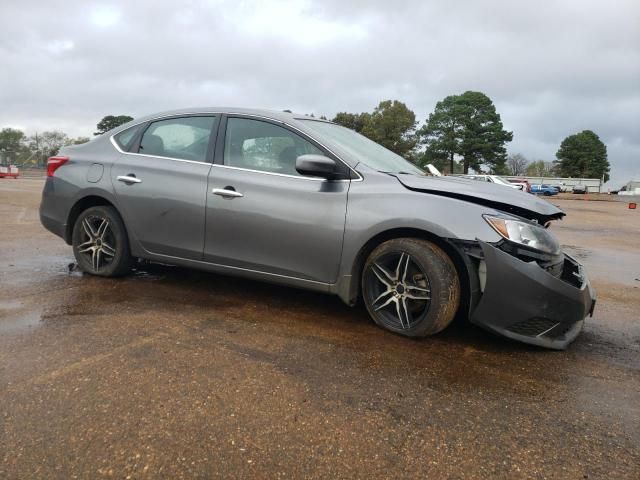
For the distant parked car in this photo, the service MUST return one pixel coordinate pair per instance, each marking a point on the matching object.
(9, 171)
(526, 186)
(580, 189)
(493, 179)
(546, 190)
(631, 188)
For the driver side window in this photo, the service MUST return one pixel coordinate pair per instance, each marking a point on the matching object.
(263, 146)
(183, 138)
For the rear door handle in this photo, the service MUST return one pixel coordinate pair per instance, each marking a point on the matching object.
(226, 192)
(129, 179)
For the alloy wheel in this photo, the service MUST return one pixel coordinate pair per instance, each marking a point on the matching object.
(398, 290)
(97, 242)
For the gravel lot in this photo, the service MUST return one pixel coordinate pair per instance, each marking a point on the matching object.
(181, 374)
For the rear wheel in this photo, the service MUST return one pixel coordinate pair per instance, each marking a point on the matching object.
(100, 242)
(410, 286)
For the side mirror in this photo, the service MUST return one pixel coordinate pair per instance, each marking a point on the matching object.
(316, 166)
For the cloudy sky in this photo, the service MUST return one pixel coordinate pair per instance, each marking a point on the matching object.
(553, 68)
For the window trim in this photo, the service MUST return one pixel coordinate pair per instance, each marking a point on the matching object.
(222, 136)
(147, 123)
(221, 116)
(133, 141)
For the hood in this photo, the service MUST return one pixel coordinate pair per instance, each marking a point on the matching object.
(500, 197)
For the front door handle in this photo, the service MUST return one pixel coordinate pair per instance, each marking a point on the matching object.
(226, 192)
(129, 178)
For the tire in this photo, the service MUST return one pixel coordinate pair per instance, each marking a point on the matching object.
(100, 242)
(410, 286)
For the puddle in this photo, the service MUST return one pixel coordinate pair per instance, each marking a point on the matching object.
(619, 266)
(146, 275)
(9, 305)
(11, 319)
(148, 270)
(25, 321)
(143, 271)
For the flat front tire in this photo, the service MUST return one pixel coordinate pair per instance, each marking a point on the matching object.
(410, 286)
(100, 242)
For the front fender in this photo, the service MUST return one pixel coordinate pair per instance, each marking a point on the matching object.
(396, 209)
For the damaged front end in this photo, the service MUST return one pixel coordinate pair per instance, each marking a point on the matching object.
(523, 286)
(529, 301)
(529, 294)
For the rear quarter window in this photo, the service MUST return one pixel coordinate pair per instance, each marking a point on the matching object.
(125, 139)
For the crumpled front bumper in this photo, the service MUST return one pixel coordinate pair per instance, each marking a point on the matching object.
(524, 302)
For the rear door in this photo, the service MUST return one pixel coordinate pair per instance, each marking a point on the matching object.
(161, 184)
(262, 215)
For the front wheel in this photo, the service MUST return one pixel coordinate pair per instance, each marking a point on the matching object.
(410, 286)
(100, 242)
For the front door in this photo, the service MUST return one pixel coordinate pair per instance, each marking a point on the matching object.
(262, 215)
(162, 185)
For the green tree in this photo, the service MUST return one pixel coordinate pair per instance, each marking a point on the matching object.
(583, 155)
(467, 126)
(485, 137)
(110, 122)
(393, 126)
(12, 143)
(79, 140)
(354, 121)
(443, 132)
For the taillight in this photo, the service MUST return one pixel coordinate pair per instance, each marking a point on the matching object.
(54, 163)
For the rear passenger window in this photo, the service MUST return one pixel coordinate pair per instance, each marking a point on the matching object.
(183, 138)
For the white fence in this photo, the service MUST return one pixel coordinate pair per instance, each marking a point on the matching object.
(594, 185)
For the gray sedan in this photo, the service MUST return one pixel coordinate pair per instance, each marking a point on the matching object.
(307, 203)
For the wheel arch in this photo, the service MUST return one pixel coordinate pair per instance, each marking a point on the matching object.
(88, 201)
(351, 295)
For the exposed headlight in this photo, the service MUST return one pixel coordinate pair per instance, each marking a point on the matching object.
(524, 233)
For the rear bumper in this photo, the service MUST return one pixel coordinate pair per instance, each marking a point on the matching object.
(524, 302)
(53, 225)
(53, 209)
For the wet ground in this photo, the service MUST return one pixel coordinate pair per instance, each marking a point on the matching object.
(180, 374)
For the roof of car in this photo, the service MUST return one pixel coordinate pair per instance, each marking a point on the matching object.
(283, 116)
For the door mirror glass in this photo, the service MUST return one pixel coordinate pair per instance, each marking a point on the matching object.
(316, 166)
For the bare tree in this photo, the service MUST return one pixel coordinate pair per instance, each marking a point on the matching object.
(517, 164)
(540, 168)
(47, 144)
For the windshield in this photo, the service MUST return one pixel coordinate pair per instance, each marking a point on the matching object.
(364, 150)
